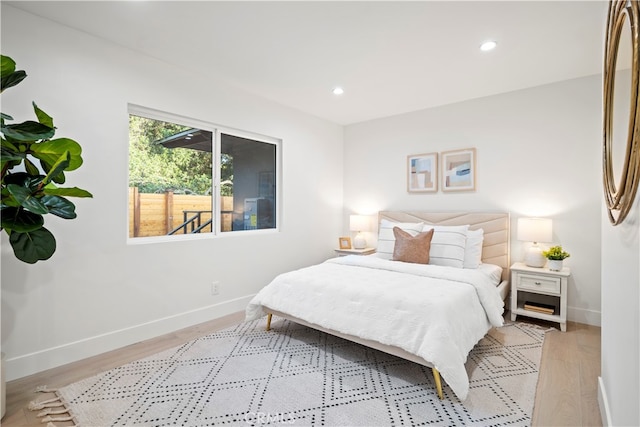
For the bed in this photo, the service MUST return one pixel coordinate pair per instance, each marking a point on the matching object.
(431, 314)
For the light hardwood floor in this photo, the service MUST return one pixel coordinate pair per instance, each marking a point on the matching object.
(566, 394)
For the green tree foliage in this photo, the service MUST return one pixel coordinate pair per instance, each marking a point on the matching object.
(154, 168)
(226, 175)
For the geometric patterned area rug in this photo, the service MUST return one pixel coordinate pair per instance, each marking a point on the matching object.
(294, 375)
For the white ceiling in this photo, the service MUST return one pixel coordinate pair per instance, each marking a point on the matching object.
(390, 57)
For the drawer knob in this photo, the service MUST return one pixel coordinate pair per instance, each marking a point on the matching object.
(538, 283)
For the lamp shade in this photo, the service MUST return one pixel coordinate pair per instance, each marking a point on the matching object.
(359, 223)
(535, 229)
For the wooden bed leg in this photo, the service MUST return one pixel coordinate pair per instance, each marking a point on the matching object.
(436, 377)
(269, 316)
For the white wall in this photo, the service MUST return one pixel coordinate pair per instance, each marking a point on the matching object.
(538, 154)
(98, 293)
(620, 371)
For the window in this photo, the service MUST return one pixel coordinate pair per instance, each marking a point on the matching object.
(188, 177)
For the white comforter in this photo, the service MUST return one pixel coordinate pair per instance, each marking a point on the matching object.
(438, 313)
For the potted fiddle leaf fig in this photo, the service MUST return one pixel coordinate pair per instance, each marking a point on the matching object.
(33, 168)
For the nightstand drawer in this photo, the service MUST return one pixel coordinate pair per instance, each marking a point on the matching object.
(539, 283)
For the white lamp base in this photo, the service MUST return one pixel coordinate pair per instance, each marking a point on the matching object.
(359, 242)
(534, 258)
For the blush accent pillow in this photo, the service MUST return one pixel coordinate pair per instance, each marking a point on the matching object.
(386, 239)
(410, 248)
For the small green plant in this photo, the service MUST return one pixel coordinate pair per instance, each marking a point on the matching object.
(555, 253)
(32, 164)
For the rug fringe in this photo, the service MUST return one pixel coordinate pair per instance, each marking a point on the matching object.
(50, 411)
(51, 403)
(59, 419)
(51, 407)
(45, 389)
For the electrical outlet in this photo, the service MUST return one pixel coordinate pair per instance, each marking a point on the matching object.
(215, 288)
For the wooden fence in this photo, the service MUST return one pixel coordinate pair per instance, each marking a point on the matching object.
(152, 214)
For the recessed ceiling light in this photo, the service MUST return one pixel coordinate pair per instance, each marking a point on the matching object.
(338, 90)
(488, 45)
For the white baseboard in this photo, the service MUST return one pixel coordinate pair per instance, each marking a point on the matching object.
(28, 364)
(603, 403)
(584, 316)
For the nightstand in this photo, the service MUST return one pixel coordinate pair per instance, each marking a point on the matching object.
(365, 251)
(539, 293)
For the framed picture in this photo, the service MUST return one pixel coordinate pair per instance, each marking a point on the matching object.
(345, 242)
(422, 173)
(459, 170)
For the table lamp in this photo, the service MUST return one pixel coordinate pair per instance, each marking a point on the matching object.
(535, 230)
(359, 223)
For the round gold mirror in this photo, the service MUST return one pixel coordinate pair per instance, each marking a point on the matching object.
(621, 115)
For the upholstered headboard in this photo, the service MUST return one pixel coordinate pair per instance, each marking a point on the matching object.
(496, 225)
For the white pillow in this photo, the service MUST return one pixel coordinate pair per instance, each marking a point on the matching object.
(447, 245)
(386, 239)
(473, 248)
(494, 272)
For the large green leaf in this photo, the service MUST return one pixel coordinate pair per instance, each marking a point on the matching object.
(50, 151)
(24, 179)
(27, 199)
(8, 145)
(8, 155)
(58, 179)
(43, 117)
(67, 192)
(12, 79)
(7, 65)
(28, 131)
(9, 200)
(20, 220)
(58, 168)
(21, 178)
(60, 206)
(33, 246)
(30, 167)
(9, 75)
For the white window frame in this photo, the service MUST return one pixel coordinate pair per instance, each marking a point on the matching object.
(217, 131)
